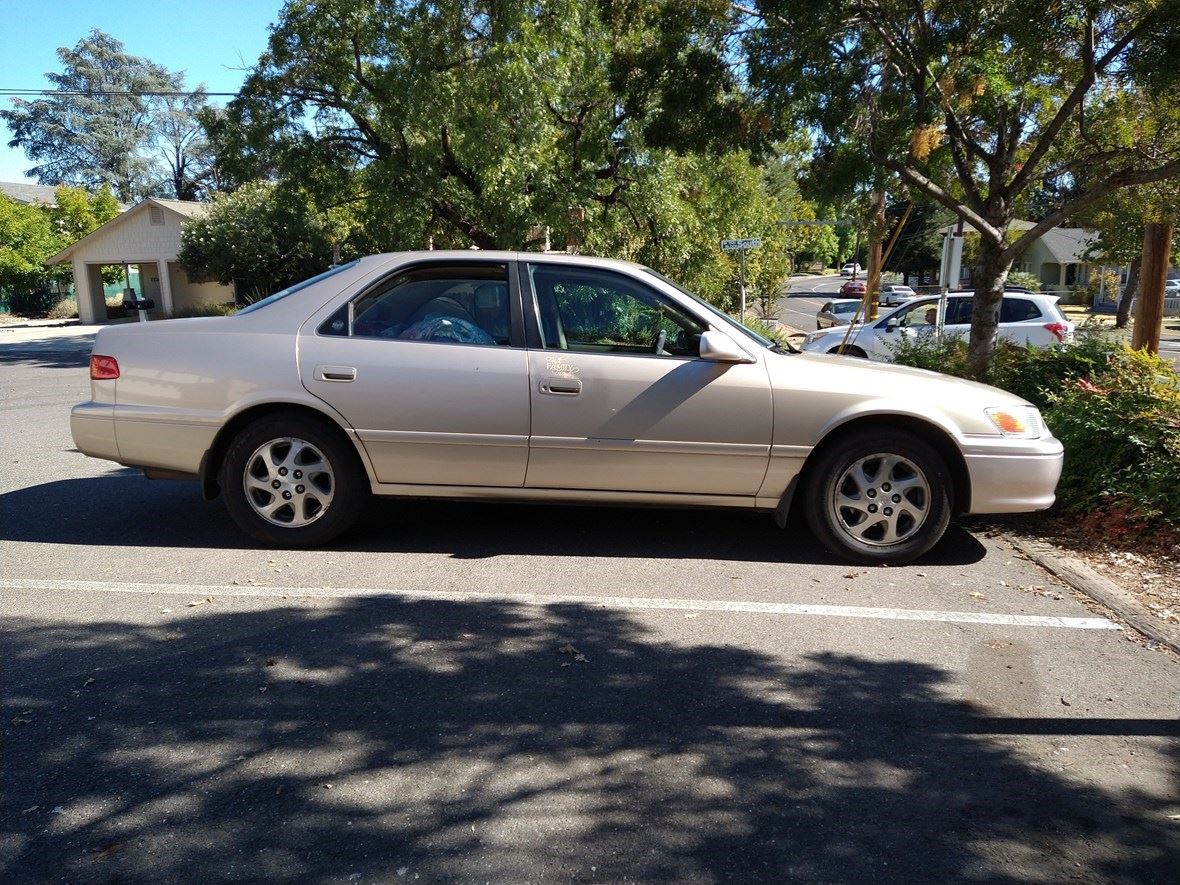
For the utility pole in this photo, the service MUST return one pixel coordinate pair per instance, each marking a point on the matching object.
(1149, 310)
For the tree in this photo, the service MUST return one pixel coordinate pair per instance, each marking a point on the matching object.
(261, 238)
(30, 234)
(492, 121)
(1119, 222)
(106, 122)
(458, 125)
(972, 104)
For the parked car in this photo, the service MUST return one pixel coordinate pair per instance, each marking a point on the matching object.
(853, 288)
(546, 377)
(1172, 288)
(895, 293)
(837, 313)
(1025, 318)
(851, 269)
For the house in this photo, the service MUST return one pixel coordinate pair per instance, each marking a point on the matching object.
(28, 193)
(1058, 259)
(147, 237)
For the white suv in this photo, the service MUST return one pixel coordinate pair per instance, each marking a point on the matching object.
(851, 269)
(1025, 318)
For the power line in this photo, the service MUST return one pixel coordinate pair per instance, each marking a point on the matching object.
(94, 92)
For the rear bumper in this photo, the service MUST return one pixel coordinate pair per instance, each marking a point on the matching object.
(93, 428)
(1013, 476)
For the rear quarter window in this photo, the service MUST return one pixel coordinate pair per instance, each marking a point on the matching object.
(1018, 310)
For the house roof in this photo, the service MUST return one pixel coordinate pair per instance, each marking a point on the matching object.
(184, 208)
(27, 192)
(1067, 245)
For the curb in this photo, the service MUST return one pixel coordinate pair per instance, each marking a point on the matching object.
(1101, 590)
(40, 324)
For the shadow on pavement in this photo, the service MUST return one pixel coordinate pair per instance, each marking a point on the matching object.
(49, 353)
(124, 509)
(380, 738)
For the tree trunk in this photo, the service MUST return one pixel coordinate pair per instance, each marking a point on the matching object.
(1124, 312)
(1149, 313)
(985, 311)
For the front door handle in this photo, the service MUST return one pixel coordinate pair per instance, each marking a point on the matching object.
(335, 373)
(561, 386)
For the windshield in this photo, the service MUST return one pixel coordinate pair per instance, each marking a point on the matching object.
(713, 311)
(291, 290)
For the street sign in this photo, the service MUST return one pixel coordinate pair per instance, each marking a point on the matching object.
(740, 245)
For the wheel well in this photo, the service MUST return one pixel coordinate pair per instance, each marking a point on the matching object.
(210, 469)
(930, 433)
(849, 350)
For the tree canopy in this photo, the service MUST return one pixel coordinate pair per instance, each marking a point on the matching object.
(979, 106)
(107, 123)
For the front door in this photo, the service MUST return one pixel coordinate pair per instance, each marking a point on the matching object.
(429, 367)
(622, 401)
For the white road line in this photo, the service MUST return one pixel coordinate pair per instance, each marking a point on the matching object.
(552, 599)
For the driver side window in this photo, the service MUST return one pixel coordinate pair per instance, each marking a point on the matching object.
(595, 311)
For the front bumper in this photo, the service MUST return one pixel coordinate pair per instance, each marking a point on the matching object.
(1012, 476)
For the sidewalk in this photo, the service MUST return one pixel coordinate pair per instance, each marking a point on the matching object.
(21, 323)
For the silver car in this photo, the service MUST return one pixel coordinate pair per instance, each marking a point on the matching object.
(839, 312)
(545, 377)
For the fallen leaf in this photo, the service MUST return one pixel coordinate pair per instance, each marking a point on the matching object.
(204, 601)
(30, 809)
(920, 574)
(57, 809)
(87, 682)
(108, 850)
(693, 615)
(975, 594)
(568, 649)
(18, 720)
(1066, 703)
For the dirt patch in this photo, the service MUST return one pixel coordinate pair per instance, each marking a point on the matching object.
(1144, 563)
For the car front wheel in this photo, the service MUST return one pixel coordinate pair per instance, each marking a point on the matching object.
(292, 481)
(879, 497)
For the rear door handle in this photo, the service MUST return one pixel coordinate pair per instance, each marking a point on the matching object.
(561, 386)
(335, 373)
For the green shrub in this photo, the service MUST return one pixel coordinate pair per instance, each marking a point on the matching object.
(1121, 432)
(206, 310)
(31, 303)
(1025, 280)
(1116, 411)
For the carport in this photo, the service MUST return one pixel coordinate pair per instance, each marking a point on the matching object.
(146, 236)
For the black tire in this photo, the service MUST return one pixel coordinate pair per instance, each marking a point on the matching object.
(344, 477)
(831, 523)
(850, 350)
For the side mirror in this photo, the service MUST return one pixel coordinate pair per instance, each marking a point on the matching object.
(891, 326)
(717, 347)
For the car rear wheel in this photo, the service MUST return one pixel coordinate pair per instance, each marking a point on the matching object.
(292, 481)
(879, 497)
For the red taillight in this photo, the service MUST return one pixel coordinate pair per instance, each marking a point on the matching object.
(103, 368)
(1059, 330)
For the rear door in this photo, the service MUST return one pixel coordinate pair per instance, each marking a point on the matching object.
(430, 369)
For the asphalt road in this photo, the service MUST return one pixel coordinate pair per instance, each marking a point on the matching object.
(500, 693)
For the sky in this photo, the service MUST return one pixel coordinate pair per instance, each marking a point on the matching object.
(212, 41)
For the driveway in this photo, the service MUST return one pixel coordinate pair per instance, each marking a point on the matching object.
(478, 692)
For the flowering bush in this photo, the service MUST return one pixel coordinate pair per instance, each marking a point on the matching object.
(1116, 411)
